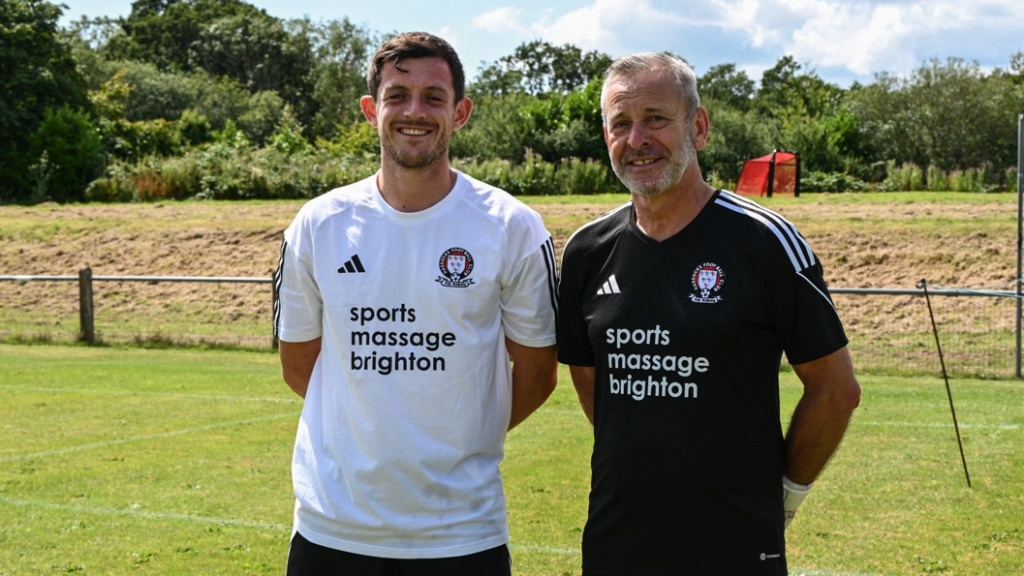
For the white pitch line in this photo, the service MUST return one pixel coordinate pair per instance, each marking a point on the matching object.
(544, 549)
(284, 399)
(856, 423)
(797, 572)
(172, 433)
(135, 511)
(853, 424)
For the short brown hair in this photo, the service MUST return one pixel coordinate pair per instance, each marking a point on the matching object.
(416, 45)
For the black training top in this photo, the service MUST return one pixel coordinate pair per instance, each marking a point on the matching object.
(686, 336)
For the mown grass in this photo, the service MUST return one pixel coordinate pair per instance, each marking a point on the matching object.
(132, 461)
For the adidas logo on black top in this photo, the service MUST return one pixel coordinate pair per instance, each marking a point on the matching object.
(352, 266)
(610, 286)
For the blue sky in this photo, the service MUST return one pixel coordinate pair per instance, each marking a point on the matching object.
(842, 40)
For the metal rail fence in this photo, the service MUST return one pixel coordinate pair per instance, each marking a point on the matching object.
(144, 310)
(889, 329)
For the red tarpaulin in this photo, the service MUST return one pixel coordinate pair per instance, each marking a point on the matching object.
(775, 173)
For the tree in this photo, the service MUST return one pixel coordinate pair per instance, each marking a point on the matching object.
(541, 68)
(224, 38)
(341, 52)
(786, 90)
(723, 83)
(69, 155)
(735, 137)
(163, 32)
(37, 74)
(944, 114)
(262, 55)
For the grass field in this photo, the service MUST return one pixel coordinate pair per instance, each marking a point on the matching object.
(131, 461)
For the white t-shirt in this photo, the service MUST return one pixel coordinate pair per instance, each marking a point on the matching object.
(404, 421)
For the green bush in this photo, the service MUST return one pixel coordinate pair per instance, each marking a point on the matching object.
(830, 182)
(1010, 177)
(226, 171)
(69, 155)
(536, 177)
(902, 178)
(936, 180)
(575, 176)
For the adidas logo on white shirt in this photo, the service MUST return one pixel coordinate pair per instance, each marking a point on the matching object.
(353, 265)
(610, 286)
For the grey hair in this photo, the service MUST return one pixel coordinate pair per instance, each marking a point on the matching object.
(658, 62)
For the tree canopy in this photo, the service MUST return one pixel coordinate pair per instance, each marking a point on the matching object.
(178, 78)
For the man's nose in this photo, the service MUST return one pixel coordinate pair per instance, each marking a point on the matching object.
(639, 136)
(416, 108)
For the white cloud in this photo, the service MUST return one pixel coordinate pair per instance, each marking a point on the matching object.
(500, 20)
(864, 37)
(858, 37)
(607, 26)
(850, 39)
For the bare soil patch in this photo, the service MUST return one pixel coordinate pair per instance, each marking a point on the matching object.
(963, 245)
(861, 245)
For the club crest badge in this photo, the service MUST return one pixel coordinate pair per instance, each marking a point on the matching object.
(456, 265)
(707, 280)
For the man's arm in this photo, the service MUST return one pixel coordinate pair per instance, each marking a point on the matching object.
(831, 393)
(534, 376)
(297, 361)
(583, 380)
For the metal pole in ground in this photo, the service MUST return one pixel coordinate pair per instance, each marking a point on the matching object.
(923, 284)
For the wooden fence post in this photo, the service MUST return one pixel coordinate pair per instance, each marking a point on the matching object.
(86, 320)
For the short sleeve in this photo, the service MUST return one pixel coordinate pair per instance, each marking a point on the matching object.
(298, 304)
(528, 294)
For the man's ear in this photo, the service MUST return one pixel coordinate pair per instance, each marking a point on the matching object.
(369, 108)
(462, 112)
(701, 128)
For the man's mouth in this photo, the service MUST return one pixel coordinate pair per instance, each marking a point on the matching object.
(642, 162)
(413, 131)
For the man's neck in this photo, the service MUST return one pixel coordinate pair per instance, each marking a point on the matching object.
(415, 189)
(663, 216)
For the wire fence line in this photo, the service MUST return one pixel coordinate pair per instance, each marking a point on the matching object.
(889, 329)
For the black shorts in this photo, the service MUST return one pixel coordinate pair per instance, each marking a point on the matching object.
(308, 559)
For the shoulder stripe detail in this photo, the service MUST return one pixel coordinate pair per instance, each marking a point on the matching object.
(799, 252)
(818, 290)
(548, 249)
(278, 279)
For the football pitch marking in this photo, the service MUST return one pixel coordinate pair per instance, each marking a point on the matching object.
(142, 438)
(935, 425)
(853, 424)
(795, 572)
(288, 398)
(135, 511)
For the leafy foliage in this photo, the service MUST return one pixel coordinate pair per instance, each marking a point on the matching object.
(37, 75)
(178, 80)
